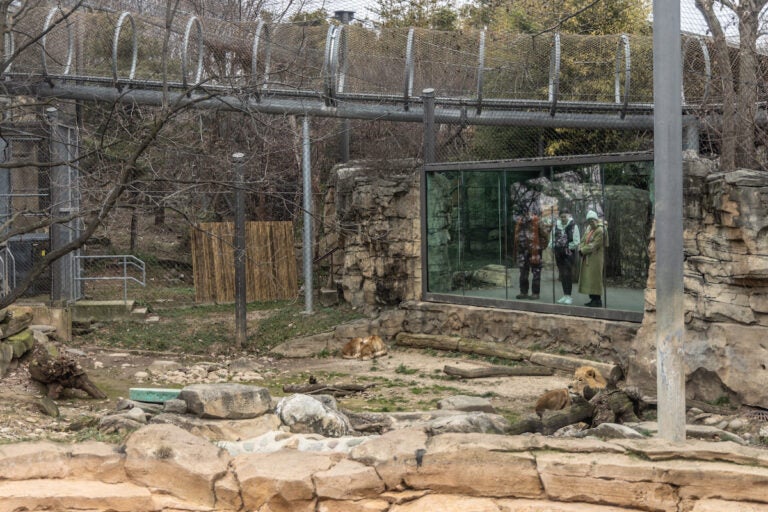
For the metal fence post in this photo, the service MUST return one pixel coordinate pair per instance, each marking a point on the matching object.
(428, 95)
(240, 290)
(668, 165)
(63, 286)
(306, 171)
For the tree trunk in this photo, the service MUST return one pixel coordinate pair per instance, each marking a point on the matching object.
(528, 424)
(159, 216)
(555, 420)
(722, 61)
(134, 230)
(746, 103)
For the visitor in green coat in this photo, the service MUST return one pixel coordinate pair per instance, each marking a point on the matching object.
(592, 250)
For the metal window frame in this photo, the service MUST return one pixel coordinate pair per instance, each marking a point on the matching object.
(520, 165)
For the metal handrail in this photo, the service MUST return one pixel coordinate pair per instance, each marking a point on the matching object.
(127, 261)
(7, 270)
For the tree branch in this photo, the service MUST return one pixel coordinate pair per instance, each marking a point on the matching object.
(566, 18)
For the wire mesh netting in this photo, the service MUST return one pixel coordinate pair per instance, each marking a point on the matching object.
(554, 94)
(283, 58)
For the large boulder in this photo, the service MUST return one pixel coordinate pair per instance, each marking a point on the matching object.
(175, 462)
(226, 401)
(307, 414)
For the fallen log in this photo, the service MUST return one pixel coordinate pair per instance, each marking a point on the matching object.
(497, 371)
(553, 421)
(458, 344)
(59, 371)
(531, 423)
(614, 407)
(611, 372)
(337, 390)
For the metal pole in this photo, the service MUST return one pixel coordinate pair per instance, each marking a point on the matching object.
(691, 135)
(428, 95)
(240, 291)
(125, 280)
(344, 141)
(306, 171)
(668, 165)
(62, 279)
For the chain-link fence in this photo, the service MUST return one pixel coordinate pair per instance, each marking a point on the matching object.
(499, 95)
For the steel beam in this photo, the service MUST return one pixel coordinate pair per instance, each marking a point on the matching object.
(490, 116)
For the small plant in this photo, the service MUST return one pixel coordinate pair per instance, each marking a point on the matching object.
(722, 400)
(164, 452)
(402, 369)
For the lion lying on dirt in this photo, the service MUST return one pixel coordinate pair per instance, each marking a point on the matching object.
(364, 348)
(587, 382)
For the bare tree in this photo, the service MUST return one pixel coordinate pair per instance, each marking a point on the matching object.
(739, 132)
(113, 162)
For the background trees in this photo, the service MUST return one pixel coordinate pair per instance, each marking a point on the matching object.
(740, 72)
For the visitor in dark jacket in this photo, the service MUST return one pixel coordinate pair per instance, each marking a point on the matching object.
(531, 235)
(565, 243)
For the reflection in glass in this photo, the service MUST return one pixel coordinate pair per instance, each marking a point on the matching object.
(570, 235)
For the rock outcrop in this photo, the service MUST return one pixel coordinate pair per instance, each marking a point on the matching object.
(726, 289)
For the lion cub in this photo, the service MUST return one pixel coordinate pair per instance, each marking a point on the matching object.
(364, 348)
(587, 382)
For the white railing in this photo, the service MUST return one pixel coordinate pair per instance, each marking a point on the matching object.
(128, 263)
(7, 271)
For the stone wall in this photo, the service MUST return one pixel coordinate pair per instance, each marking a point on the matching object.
(372, 215)
(726, 288)
(163, 468)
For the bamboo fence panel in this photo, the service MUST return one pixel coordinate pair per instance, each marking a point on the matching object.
(270, 268)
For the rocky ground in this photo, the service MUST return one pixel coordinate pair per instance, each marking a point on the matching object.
(402, 380)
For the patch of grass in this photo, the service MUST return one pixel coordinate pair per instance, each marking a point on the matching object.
(405, 370)
(722, 400)
(426, 405)
(290, 321)
(325, 354)
(511, 416)
(206, 329)
(384, 404)
(94, 434)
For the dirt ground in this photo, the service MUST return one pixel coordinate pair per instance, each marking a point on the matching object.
(402, 380)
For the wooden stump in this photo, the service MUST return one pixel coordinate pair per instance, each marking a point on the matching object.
(59, 371)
